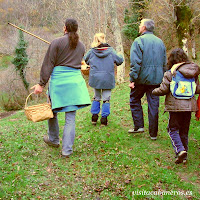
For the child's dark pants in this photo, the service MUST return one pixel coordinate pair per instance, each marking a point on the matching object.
(178, 127)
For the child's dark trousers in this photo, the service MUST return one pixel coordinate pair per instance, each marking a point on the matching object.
(178, 127)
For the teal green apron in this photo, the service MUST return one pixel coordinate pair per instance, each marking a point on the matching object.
(68, 90)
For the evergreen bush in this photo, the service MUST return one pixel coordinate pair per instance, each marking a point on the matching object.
(132, 18)
(21, 59)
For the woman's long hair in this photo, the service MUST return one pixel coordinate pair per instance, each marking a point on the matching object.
(176, 56)
(99, 38)
(72, 27)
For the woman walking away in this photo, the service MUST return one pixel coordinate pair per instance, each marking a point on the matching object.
(179, 85)
(67, 88)
(101, 58)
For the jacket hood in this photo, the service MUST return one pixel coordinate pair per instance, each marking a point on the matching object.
(102, 52)
(188, 69)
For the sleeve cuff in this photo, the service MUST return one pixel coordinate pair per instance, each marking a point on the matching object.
(131, 80)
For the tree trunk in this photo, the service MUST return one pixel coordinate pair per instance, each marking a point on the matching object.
(193, 48)
(105, 6)
(99, 15)
(184, 16)
(118, 40)
(192, 36)
(92, 18)
(185, 45)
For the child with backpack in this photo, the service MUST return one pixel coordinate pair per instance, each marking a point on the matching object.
(179, 85)
(101, 59)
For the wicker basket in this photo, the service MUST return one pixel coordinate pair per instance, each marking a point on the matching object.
(85, 69)
(37, 113)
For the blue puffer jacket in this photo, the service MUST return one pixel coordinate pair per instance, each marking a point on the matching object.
(148, 60)
(101, 61)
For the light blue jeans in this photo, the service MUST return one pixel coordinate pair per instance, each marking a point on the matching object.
(68, 132)
(102, 93)
(105, 95)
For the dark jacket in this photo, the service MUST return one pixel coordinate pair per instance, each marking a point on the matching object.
(148, 60)
(60, 54)
(101, 61)
(173, 104)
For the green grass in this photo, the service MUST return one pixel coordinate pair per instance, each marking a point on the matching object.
(107, 163)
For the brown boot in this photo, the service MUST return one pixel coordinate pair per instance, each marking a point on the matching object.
(47, 141)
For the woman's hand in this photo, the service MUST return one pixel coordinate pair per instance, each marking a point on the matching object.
(37, 89)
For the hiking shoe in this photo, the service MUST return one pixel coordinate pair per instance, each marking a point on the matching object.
(47, 141)
(184, 161)
(138, 130)
(65, 156)
(104, 121)
(94, 119)
(181, 157)
(153, 138)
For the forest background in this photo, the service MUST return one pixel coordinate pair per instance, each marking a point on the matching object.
(177, 24)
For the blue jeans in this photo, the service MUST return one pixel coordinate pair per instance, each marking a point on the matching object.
(178, 127)
(136, 108)
(68, 132)
(105, 95)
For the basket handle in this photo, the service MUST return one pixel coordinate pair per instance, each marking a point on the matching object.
(30, 95)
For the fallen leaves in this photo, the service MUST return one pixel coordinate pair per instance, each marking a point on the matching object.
(127, 181)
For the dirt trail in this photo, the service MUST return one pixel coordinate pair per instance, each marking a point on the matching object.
(6, 114)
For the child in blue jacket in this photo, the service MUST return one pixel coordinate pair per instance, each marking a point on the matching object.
(101, 59)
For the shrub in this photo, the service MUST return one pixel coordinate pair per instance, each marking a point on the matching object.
(13, 93)
(5, 61)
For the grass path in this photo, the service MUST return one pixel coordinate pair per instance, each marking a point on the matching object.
(107, 163)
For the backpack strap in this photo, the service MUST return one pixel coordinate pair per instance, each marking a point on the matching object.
(175, 67)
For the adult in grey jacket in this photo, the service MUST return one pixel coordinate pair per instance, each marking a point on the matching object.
(148, 60)
(102, 59)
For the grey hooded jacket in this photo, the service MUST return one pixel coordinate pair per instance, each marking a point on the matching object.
(101, 62)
